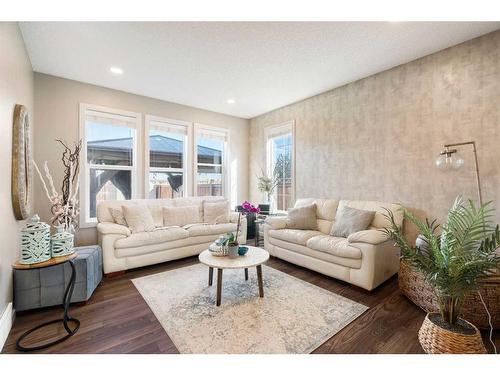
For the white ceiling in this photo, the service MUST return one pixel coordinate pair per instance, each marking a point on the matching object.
(261, 65)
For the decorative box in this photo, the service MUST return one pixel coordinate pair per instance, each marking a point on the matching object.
(62, 242)
(35, 242)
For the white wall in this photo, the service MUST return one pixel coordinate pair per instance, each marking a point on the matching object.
(16, 87)
(57, 116)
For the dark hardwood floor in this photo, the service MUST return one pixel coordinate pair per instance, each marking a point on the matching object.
(117, 320)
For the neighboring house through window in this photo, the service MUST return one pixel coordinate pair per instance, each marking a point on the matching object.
(166, 152)
(109, 156)
(280, 155)
(210, 155)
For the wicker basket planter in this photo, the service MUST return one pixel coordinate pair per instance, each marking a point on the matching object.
(437, 340)
(414, 286)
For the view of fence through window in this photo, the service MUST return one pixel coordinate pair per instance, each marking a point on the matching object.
(209, 166)
(166, 164)
(110, 160)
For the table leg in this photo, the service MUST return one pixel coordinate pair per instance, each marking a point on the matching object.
(210, 276)
(259, 279)
(246, 274)
(66, 318)
(219, 286)
(256, 226)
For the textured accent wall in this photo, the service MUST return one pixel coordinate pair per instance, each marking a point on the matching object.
(377, 138)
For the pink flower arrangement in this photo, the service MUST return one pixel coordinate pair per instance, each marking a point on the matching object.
(248, 207)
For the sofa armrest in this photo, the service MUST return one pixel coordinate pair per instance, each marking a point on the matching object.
(276, 222)
(112, 228)
(370, 236)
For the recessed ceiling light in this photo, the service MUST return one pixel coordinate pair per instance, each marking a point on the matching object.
(230, 101)
(116, 70)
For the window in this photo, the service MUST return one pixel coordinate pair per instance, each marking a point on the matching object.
(280, 164)
(166, 145)
(110, 157)
(210, 156)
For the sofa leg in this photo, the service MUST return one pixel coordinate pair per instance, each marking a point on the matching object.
(114, 274)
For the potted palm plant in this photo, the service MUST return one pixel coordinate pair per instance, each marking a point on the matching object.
(452, 260)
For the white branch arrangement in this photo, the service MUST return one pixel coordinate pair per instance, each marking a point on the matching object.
(63, 213)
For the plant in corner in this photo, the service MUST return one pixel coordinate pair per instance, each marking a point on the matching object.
(452, 261)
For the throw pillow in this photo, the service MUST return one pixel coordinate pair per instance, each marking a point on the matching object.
(138, 218)
(303, 217)
(118, 217)
(180, 216)
(216, 212)
(350, 220)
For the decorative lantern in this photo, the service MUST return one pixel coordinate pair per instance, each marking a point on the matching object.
(62, 242)
(35, 242)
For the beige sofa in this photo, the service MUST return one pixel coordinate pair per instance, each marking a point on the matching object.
(366, 258)
(123, 250)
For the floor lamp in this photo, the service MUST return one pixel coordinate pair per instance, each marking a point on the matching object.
(449, 159)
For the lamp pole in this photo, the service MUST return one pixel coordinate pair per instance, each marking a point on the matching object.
(473, 144)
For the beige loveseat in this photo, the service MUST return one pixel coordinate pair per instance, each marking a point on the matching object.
(123, 250)
(366, 258)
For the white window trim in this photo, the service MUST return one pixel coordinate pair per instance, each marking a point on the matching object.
(85, 221)
(268, 133)
(226, 175)
(187, 167)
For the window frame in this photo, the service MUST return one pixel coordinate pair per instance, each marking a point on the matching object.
(187, 163)
(269, 134)
(199, 129)
(85, 221)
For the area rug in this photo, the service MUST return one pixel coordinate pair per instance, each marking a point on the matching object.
(293, 317)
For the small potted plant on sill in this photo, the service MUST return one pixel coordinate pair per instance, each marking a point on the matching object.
(452, 261)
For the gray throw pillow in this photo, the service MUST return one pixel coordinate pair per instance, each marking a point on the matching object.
(351, 220)
(302, 218)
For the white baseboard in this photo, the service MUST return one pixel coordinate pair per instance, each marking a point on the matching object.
(6, 324)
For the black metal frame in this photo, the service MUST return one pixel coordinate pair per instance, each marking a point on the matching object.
(65, 319)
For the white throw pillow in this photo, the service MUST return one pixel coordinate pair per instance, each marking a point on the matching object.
(138, 218)
(180, 216)
(303, 217)
(216, 212)
(351, 220)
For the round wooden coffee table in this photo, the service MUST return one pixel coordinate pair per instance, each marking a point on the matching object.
(254, 258)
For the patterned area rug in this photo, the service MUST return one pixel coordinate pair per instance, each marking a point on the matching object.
(293, 317)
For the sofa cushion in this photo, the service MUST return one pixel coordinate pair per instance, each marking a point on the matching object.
(303, 217)
(138, 218)
(156, 209)
(118, 217)
(351, 220)
(337, 246)
(294, 235)
(210, 229)
(151, 238)
(180, 216)
(321, 255)
(216, 212)
(379, 221)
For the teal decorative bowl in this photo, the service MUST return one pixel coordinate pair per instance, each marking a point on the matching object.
(242, 250)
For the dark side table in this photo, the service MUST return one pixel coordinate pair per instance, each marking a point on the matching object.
(66, 300)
